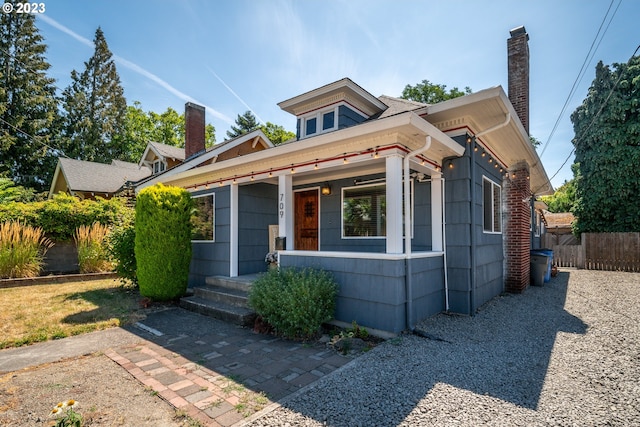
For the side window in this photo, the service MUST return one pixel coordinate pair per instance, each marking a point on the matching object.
(203, 218)
(491, 206)
(328, 120)
(311, 126)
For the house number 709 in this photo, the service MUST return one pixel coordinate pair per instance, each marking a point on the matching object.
(281, 205)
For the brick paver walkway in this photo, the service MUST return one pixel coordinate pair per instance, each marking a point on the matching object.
(216, 372)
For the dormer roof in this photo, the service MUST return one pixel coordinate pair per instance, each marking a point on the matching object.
(344, 90)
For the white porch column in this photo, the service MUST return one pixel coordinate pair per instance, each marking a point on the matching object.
(394, 204)
(436, 212)
(233, 226)
(285, 209)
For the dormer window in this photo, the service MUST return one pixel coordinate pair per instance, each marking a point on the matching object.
(158, 166)
(319, 122)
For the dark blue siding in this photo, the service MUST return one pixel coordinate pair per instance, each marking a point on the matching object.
(373, 291)
(212, 258)
(474, 258)
(257, 206)
(347, 117)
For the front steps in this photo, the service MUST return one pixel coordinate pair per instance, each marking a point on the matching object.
(223, 298)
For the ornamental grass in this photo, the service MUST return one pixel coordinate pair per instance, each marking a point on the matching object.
(22, 250)
(93, 255)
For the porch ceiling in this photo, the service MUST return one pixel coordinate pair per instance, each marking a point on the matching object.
(337, 152)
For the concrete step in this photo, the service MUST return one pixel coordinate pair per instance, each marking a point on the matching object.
(219, 310)
(242, 283)
(231, 296)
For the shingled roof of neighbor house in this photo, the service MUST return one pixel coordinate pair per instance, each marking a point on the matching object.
(99, 177)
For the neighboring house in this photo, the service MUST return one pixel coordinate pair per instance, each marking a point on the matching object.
(88, 180)
(559, 229)
(414, 208)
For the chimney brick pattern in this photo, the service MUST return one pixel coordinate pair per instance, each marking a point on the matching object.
(194, 117)
(517, 192)
(518, 73)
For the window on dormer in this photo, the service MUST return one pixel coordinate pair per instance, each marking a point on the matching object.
(320, 121)
(158, 166)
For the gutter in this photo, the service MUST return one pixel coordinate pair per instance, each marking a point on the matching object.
(407, 230)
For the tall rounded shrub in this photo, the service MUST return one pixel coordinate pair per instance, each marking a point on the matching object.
(163, 241)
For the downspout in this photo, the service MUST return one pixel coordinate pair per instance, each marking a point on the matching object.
(407, 230)
(444, 250)
(474, 261)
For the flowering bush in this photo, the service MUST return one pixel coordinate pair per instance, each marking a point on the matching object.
(65, 414)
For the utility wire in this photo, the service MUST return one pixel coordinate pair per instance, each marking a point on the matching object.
(583, 69)
(593, 120)
(34, 138)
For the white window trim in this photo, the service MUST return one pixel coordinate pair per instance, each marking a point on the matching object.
(162, 166)
(342, 190)
(213, 198)
(318, 115)
(493, 213)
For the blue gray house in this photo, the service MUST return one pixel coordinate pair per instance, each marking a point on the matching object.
(415, 209)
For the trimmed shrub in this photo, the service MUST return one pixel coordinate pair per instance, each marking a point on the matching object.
(295, 302)
(91, 242)
(163, 241)
(61, 216)
(122, 242)
(22, 250)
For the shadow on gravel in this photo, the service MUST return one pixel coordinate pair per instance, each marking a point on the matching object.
(502, 352)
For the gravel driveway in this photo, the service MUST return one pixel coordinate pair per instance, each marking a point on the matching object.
(564, 354)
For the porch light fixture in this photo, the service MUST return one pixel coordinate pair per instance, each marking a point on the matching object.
(450, 164)
(325, 190)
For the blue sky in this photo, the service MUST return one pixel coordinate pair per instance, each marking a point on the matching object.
(231, 56)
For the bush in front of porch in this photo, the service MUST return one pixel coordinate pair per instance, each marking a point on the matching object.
(295, 302)
(163, 241)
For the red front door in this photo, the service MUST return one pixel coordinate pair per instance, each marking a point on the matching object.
(306, 220)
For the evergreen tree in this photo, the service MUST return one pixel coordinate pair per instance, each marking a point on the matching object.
(95, 108)
(244, 124)
(28, 107)
(607, 148)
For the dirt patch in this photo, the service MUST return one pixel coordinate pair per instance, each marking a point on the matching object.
(106, 394)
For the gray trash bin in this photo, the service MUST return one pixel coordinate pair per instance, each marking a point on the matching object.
(538, 268)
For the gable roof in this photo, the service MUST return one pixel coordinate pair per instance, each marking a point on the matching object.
(84, 176)
(162, 150)
(209, 156)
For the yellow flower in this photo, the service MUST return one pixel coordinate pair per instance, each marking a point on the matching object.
(55, 411)
(60, 405)
(71, 403)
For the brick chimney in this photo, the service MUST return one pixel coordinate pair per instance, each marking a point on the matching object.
(516, 234)
(518, 71)
(193, 129)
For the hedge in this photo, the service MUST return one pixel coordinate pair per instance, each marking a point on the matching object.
(163, 241)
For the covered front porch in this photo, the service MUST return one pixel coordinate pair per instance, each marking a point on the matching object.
(367, 206)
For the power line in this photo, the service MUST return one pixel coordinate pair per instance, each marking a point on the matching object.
(593, 120)
(34, 138)
(583, 69)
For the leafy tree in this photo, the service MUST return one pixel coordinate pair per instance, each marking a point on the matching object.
(168, 128)
(10, 192)
(276, 133)
(432, 93)
(95, 108)
(534, 141)
(28, 107)
(564, 198)
(607, 150)
(244, 124)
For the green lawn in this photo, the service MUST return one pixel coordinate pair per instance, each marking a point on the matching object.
(35, 313)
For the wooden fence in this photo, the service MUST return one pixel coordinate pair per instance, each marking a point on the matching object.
(599, 251)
